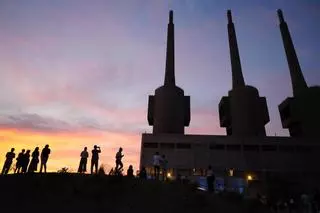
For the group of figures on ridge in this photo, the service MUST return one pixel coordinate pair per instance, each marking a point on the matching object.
(23, 159)
(95, 160)
(22, 165)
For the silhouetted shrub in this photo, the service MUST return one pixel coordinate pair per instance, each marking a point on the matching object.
(101, 170)
(63, 170)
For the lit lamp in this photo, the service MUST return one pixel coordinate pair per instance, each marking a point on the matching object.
(168, 175)
(249, 177)
(230, 172)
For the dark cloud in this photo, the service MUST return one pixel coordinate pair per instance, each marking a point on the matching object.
(39, 123)
(34, 122)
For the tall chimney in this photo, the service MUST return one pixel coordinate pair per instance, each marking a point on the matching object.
(169, 79)
(298, 82)
(237, 76)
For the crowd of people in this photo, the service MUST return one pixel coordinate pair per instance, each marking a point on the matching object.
(23, 166)
(23, 159)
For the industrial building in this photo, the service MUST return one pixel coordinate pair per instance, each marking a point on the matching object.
(245, 151)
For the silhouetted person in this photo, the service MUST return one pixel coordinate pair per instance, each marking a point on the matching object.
(83, 161)
(210, 179)
(25, 161)
(164, 165)
(143, 173)
(7, 164)
(19, 161)
(34, 161)
(156, 165)
(119, 164)
(130, 171)
(44, 158)
(95, 158)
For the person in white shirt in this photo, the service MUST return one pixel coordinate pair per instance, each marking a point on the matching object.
(83, 161)
(156, 165)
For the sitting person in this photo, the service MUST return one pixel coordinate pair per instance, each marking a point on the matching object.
(130, 171)
(143, 173)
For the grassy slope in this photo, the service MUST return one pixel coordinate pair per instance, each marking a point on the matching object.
(78, 193)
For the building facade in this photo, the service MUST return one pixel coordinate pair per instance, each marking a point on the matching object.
(245, 150)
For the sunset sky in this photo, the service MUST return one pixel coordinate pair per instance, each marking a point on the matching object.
(76, 73)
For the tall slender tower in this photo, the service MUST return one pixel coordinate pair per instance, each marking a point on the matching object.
(300, 113)
(243, 112)
(169, 108)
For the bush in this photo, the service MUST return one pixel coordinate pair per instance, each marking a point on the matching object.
(101, 170)
(63, 170)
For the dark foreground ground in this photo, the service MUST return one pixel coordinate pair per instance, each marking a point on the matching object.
(68, 193)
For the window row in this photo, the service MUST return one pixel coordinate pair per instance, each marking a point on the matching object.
(237, 147)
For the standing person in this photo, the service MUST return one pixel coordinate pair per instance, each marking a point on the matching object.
(25, 161)
(95, 158)
(210, 179)
(119, 164)
(7, 164)
(83, 161)
(34, 161)
(44, 158)
(164, 165)
(19, 161)
(156, 165)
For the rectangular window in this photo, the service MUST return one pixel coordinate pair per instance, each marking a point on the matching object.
(150, 145)
(234, 147)
(167, 145)
(251, 148)
(269, 148)
(217, 146)
(183, 146)
(300, 148)
(284, 148)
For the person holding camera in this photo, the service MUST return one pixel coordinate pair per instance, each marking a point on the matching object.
(95, 158)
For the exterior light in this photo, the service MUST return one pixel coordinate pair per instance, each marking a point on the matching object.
(230, 172)
(249, 177)
(169, 175)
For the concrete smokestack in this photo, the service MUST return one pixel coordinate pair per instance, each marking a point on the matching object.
(298, 82)
(237, 76)
(169, 79)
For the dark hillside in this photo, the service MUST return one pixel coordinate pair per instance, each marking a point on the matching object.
(83, 193)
